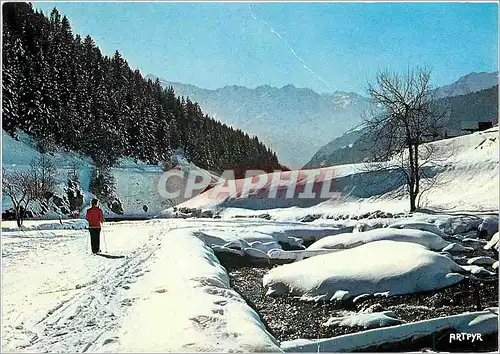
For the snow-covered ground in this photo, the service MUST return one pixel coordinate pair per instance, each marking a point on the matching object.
(136, 183)
(466, 181)
(159, 287)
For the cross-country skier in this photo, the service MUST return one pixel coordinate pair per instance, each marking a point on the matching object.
(95, 217)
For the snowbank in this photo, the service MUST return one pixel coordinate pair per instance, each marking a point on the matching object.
(350, 240)
(185, 304)
(379, 267)
(264, 241)
(467, 182)
(136, 183)
(484, 322)
(28, 225)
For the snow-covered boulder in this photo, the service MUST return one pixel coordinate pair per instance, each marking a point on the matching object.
(361, 226)
(456, 247)
(478, 271)
(495, 266)
(366, 320)
(380, 267)
(459, 224)
(350, 240)
(424, 226)
(481, 261)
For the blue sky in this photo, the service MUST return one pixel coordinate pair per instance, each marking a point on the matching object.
(323, 46)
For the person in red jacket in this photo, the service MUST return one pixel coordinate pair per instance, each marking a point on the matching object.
(95, 217)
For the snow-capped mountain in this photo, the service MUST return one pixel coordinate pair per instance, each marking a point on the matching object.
(469, 83)
(294, 122)
(470, 99)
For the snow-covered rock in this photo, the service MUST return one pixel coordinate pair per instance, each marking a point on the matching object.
(456, 247)
(477, 270)
(482, 260)
(493, 243)
(459, 225)
(350, 240)
(377, 267)
(409, 224)
(366, 320)
(495, 266)
(488, 226)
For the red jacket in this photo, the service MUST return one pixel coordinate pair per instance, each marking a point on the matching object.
(95, 217)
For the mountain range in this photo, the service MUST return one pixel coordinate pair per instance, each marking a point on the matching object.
(294, 122)
(471, 99)
(298, 123)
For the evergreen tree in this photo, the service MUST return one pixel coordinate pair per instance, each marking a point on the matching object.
(63, 91)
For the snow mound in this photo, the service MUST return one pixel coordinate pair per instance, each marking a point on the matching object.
(418, 226)
(456, 247)
(477, 270)
(186, 304)
(350, 240)
(76, 224)
(366, 320)
(404, 268)
(482, 260)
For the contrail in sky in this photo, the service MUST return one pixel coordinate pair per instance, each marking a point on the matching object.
(297, 56)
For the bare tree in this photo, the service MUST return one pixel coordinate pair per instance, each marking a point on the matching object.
(19, 187)
(25, 187)
(398, 133)
(44, 172)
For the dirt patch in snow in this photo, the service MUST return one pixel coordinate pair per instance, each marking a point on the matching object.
(288, 318)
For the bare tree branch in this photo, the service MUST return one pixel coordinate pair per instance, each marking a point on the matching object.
(396, 137)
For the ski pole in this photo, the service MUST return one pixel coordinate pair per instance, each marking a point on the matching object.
(89, 245)
(104, 239)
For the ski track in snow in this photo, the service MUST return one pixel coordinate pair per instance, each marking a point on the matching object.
(70, 299)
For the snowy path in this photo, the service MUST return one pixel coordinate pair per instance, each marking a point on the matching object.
(56, 296)
(159, 287)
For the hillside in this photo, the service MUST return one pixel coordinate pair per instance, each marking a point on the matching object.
(294, 122)
(59, 88)
(468, 182)
(464, 111)
(469, 83)
(137, 184)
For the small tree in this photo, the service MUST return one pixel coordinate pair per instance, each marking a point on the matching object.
(25, 187)
(18, 186)
(408, 119)
(44, 172)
